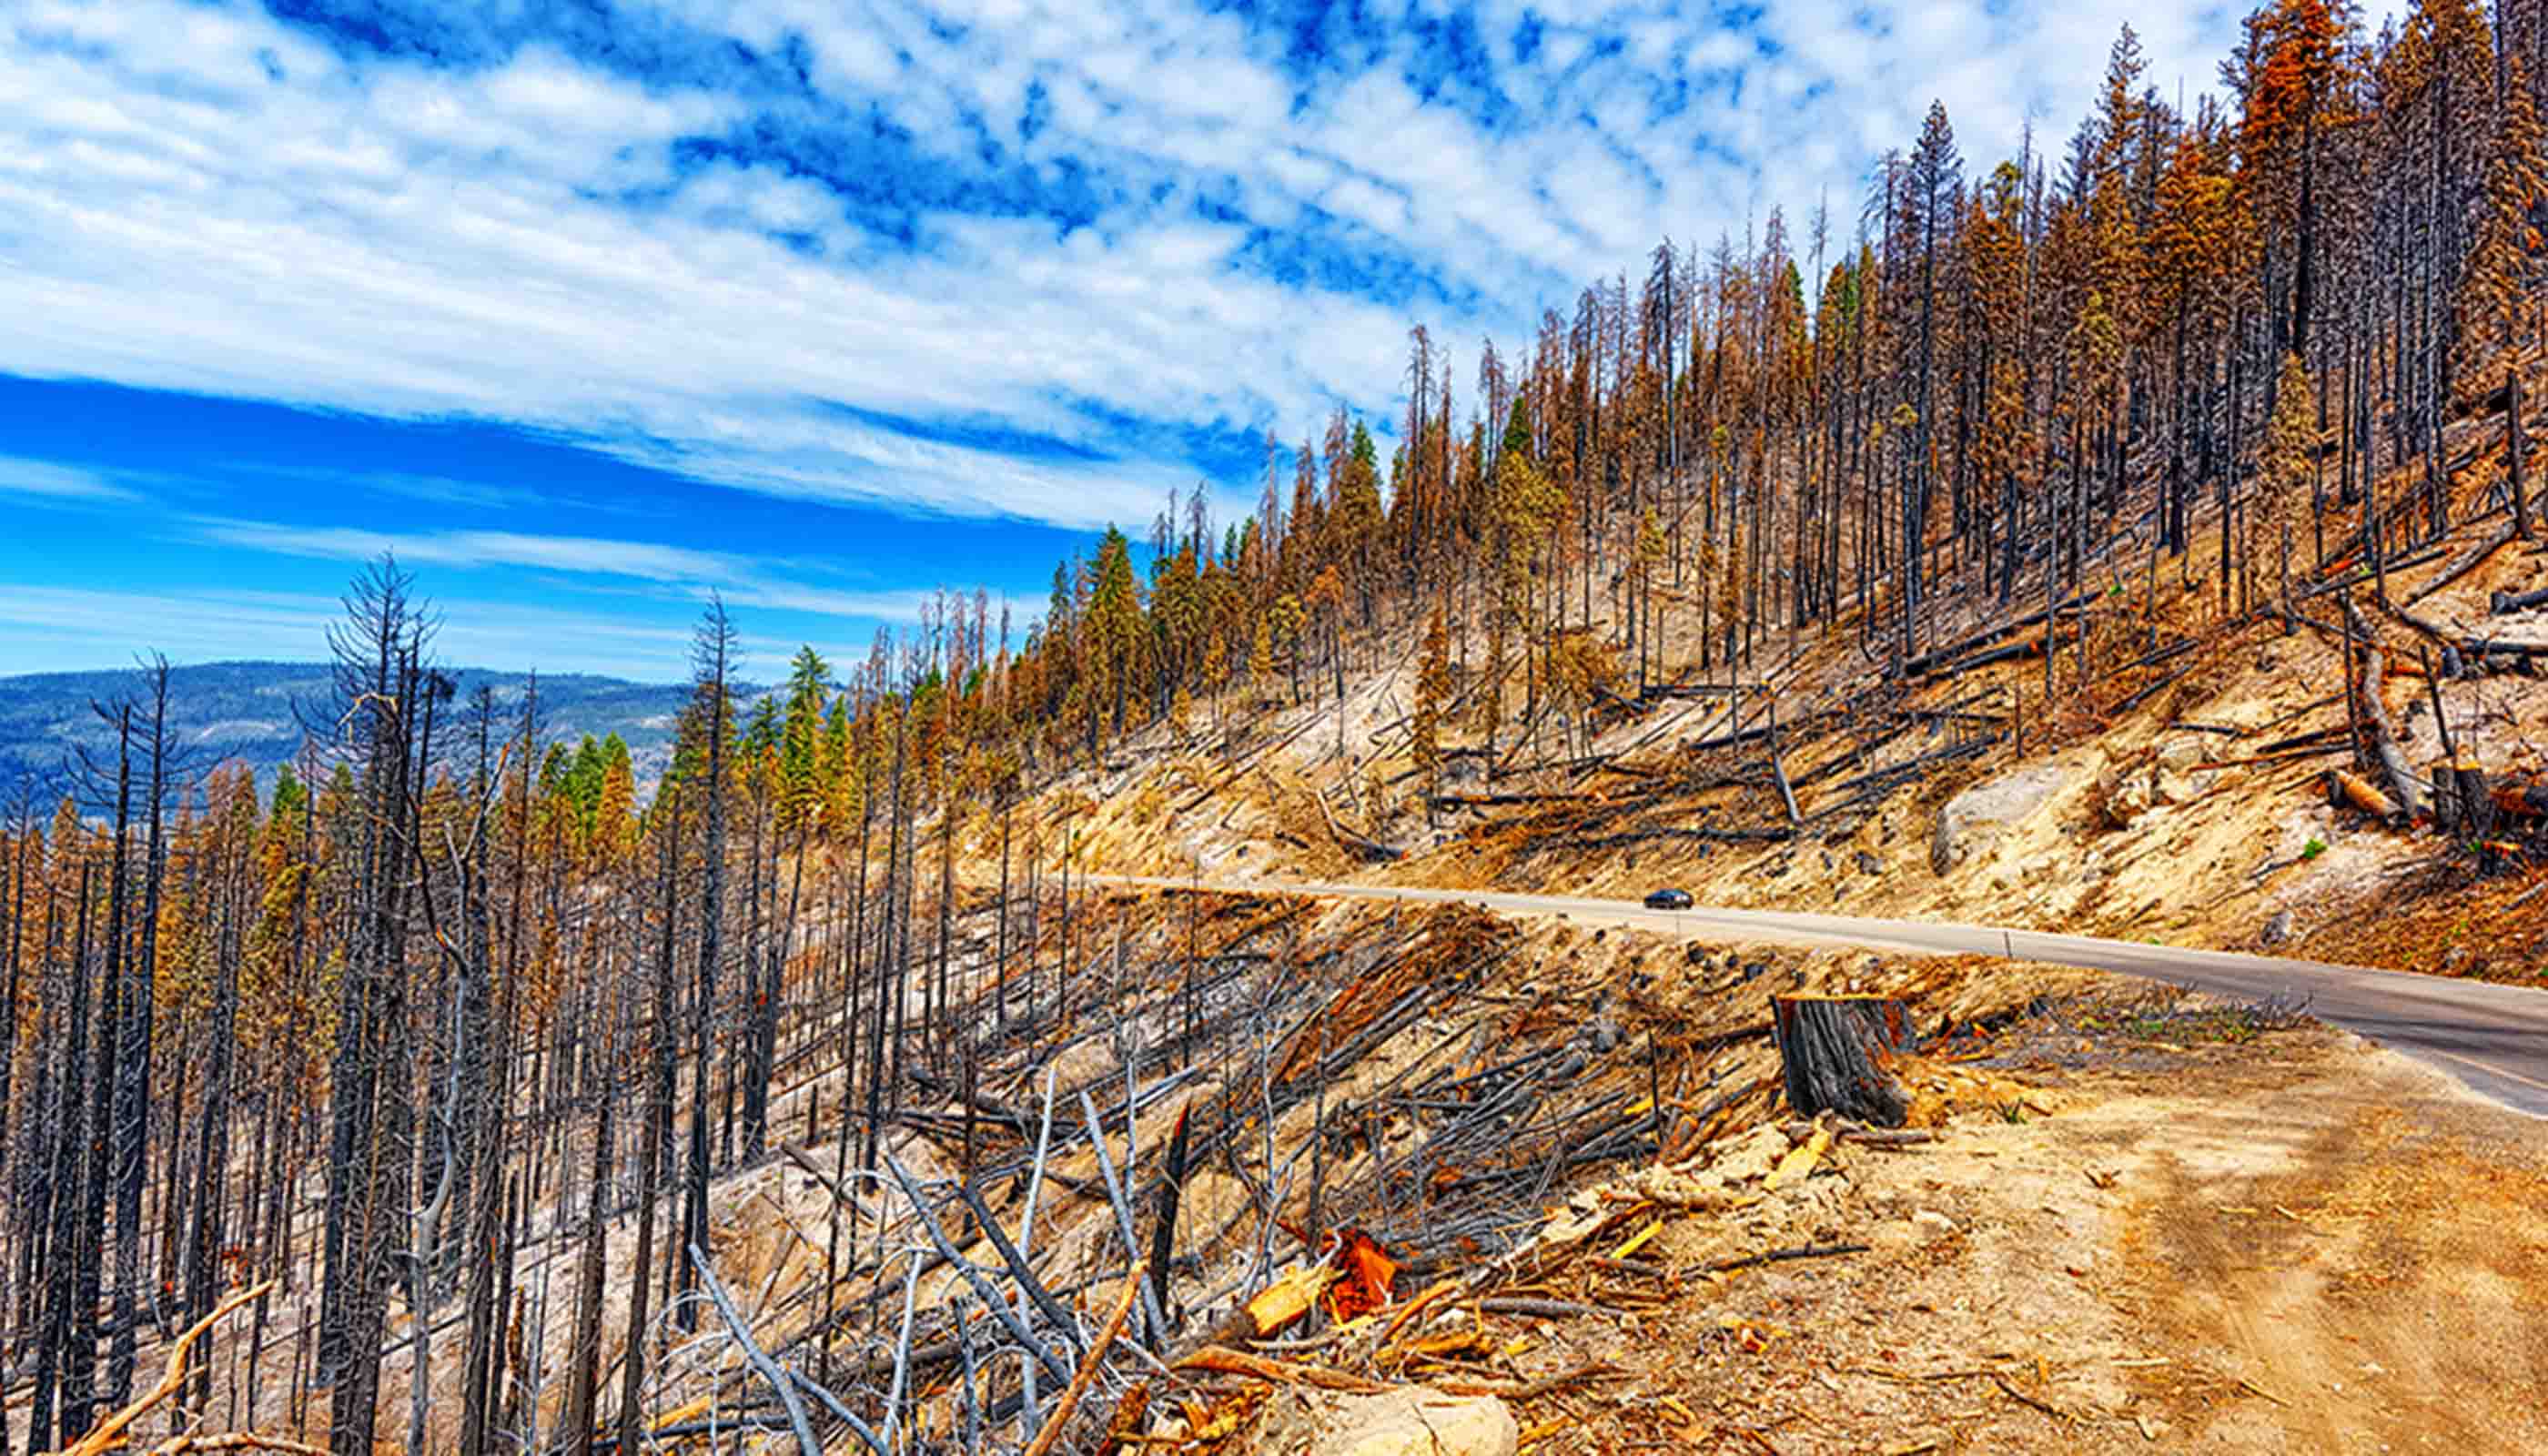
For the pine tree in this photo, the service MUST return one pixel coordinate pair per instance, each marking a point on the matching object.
(1115, 616)
(1260, 657)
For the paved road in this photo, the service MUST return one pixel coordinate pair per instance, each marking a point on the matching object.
(2492, 1037)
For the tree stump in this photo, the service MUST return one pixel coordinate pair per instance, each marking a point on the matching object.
(2463, 806)
(1838, 1052)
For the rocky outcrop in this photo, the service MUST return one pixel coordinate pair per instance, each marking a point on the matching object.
(1972, 818)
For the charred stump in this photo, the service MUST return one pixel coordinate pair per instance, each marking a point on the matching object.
(1837, 1053)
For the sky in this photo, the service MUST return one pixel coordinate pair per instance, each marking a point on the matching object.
(586, 309)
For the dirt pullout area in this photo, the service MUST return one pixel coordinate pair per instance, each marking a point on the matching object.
(2144, 1224)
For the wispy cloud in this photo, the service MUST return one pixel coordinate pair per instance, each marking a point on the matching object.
(46, 480)
(744, 582)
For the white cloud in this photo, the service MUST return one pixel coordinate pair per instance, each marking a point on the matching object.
(382, 237)
(48, 481)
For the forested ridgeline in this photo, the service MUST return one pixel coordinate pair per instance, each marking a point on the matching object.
(451, 995)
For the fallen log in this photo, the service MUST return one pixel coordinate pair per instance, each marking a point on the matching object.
(1836, 1052)
(1539, 1309)
(2492, 647)
(1510, 800)
(1921, 664)
(2520, 800)
(2285, 755)
(2005, 653)
(1361, 845)
(2505, 604)
(1746, 736)
(2462, 565)
(2403, 783)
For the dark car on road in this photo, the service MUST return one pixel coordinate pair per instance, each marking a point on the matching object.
(1667, 900)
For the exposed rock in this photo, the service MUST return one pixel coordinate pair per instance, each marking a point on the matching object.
(1967, 820)
(2123, 795)
(2171, 789)
(1412, 1420)
(2278, 931)
(1870, 864)
(1928, 1225)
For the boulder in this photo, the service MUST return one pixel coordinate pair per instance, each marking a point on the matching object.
(1972, 818)
(2277, 931)
(1412, 1420)
(2179, 755)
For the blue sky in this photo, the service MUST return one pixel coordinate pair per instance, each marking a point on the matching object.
(587, 308)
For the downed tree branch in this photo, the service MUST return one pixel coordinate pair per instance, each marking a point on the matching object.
(1538, 1309)
(806, 1445)
(1780, 1255)
(1528, 1390)
(1068, 1405)
(108, 1433)
(1223, 1360)
(1848, 1131)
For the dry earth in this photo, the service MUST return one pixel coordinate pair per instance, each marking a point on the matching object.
(2294, 1242)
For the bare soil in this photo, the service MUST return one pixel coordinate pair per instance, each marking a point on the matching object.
(2286, 1240)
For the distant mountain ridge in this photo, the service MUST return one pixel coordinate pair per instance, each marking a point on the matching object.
(243, 711)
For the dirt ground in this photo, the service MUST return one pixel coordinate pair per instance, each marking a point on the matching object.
(2190, 1232)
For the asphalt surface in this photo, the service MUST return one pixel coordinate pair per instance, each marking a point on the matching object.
(2493, 1039)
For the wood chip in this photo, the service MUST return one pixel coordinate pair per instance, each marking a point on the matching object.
(1644, 1237)
(1799, 1163)
(1289, 1297)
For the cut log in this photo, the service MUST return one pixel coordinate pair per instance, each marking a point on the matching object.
(2343, 788)
(1838, 1052)
(2505, 604)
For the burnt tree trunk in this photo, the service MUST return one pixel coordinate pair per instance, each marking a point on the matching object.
(1838, 1052)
